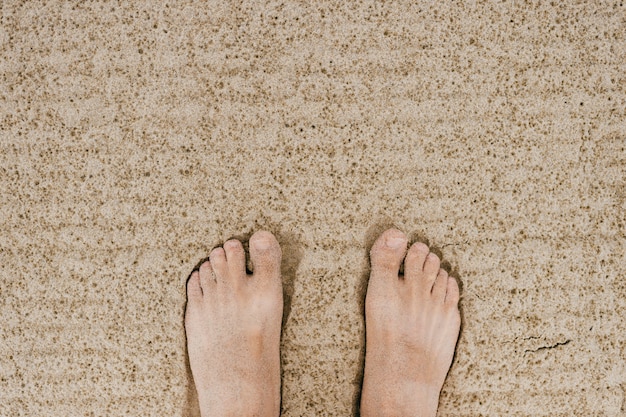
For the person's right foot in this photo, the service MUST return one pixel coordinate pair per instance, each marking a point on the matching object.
(412, 325)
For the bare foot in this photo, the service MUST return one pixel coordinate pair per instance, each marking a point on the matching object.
(412, 324)
(233, 324)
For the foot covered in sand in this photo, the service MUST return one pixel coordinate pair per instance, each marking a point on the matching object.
(233, 325)
(412, 325)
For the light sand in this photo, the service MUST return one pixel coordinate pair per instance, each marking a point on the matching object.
(133, 138)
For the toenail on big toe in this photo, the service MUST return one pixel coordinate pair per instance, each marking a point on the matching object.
(262, 241)
(262, 244)
(394, 242)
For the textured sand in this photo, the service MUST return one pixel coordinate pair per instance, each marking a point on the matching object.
(136, 136)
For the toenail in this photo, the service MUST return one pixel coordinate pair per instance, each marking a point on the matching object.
(421, 247)
(395, 242)
(262, 244)
(232, 244)
(432, 256)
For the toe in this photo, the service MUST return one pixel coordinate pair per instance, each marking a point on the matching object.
(440, 286)
(414, 262)
(194, 290)
(431, 266)
(426, 278)
(235, 258)
(388, 252)
(265, 255)
(206, 276)
(217, 258)
(452, 293)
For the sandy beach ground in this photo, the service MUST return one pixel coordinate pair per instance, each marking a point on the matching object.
(135, 136)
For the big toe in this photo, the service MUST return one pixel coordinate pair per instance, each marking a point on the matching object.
(265, 255)
(388, 252)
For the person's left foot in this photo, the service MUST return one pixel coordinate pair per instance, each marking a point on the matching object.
(233, 325)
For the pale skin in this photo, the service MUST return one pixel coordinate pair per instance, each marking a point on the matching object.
(233, 326)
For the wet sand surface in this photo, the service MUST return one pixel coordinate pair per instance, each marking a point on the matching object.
(136, 136)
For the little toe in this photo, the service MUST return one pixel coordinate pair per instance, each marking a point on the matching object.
(235, 258)
(452, 293)
(414, 262)
(206, 275)
(194, 290)
(217, 258)
(388, 253)
(440, 286)
(265, 255)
